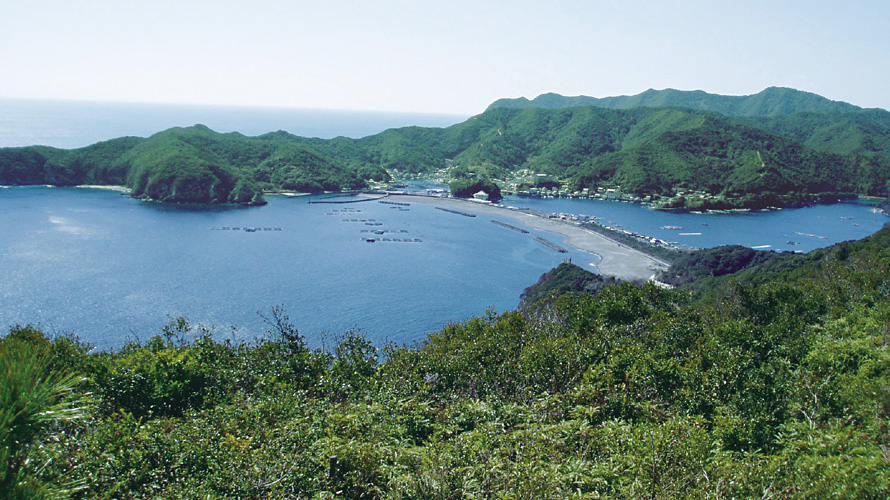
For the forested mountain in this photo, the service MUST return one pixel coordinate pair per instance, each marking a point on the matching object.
(790, 147)
(773, 101)
(192, 165)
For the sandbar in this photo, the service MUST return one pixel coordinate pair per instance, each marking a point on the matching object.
(616, 259)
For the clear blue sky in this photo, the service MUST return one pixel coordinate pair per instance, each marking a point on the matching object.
(451, 56)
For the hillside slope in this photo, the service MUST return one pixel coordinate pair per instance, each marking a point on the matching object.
(677, 157)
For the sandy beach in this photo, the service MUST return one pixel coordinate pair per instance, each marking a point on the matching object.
(615, 259)
(119, 189)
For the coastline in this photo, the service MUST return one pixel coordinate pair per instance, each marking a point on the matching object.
(616, 259)
(119, 189)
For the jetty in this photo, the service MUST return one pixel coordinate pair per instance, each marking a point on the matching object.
(551, 244)
(508, 226)
(453, 211)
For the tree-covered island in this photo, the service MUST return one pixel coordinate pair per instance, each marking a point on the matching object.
(688, 150)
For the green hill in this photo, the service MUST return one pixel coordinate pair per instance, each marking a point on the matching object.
(773, 101)
(777, 148)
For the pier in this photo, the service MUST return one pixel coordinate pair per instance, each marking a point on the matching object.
(508, 226)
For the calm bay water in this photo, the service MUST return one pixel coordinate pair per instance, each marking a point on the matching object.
(110, 268)
(792, 230)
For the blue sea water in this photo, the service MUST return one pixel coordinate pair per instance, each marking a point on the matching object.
(110, 268)
(75, 124)
(792, 230)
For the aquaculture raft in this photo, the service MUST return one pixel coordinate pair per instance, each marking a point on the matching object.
(248, 229)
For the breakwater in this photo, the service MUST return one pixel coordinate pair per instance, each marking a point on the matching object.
(508, 226)
(458, 212)
(551, 244)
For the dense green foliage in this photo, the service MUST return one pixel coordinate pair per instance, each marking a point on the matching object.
(32, 397)
(466, 188)
(191, 165)
(773, 101)
(689, 267)
(564, 278)
(777, 148)
(776, 386)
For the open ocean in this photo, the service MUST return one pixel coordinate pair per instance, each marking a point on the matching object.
(110, 268)
(75, 124)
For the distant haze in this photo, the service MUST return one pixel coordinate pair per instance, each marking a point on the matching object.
(436, 57)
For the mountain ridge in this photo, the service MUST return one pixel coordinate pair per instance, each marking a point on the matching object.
(677, 156)
(772, 101)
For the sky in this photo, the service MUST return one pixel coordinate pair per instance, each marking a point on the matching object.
(452, 56)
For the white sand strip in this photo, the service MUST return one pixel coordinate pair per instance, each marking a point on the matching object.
(616, 259)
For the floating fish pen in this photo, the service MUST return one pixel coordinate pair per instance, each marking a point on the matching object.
(247, 229)
(359, 220)
(344, 211)
(384, 231)
(674, 228)
(458, 212)
(551, 244)
(373, 223)
(394, 240)
(508, 226)
(396, 203)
